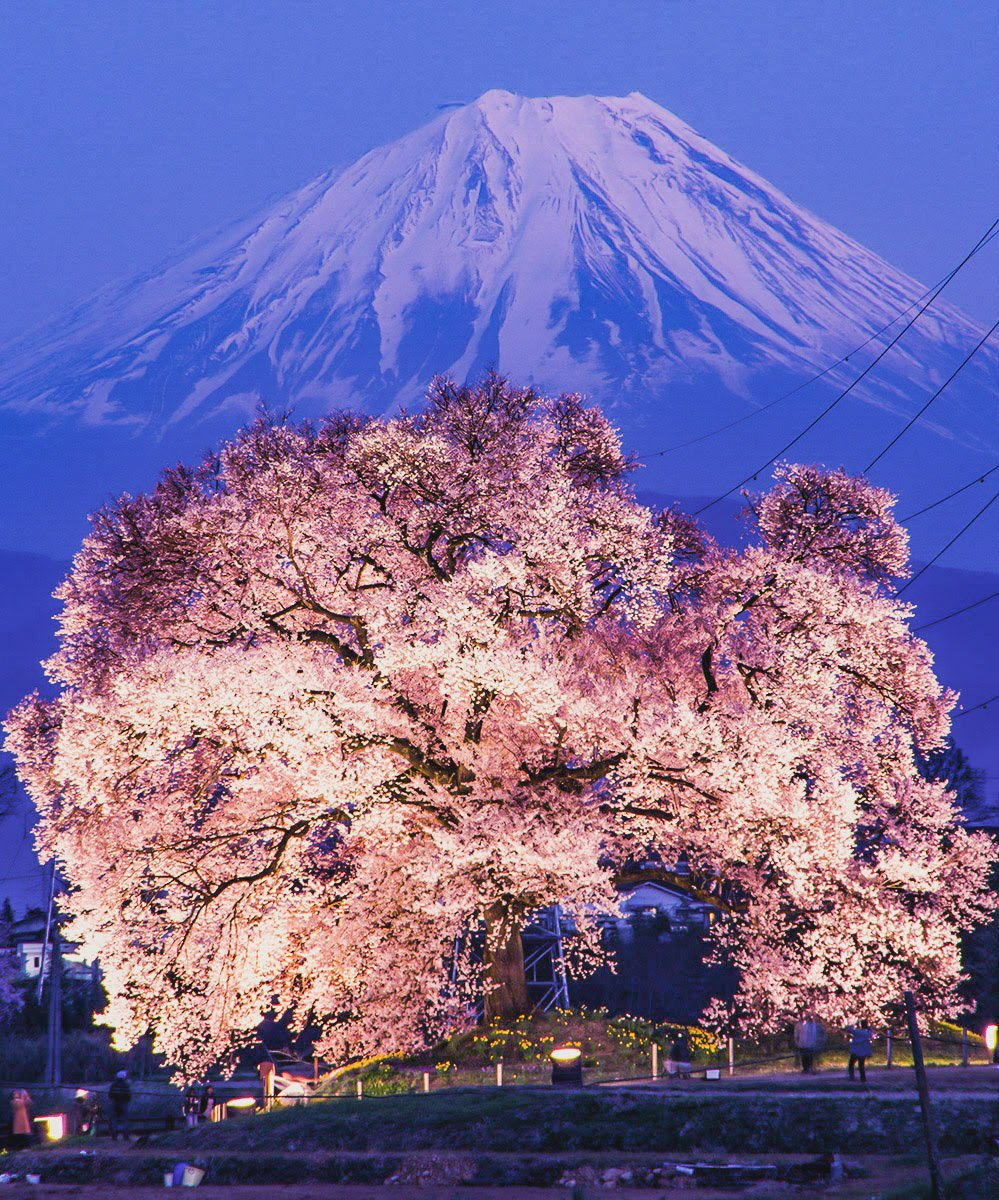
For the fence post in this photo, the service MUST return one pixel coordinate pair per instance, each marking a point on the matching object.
(360, 1089)
(731, 1056)
(888, 1049)
(655, 1060)
(499, 1073)
(964, 1045)
(936, 1189)
(426, 1081)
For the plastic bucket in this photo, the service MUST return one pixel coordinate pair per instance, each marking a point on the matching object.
(192, 1176)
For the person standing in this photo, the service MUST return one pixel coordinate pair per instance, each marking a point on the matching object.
(808, 1039)
(861, 1041)
(20, 1125)
(192, 1107)
(119, 1097)
(207, 1102)
(680, 1055)
(81, 1112)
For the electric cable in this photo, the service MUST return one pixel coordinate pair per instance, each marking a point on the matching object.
(849, 388)
(975, 707)
(956, 613)
(946, 383)
(820, 374)
(960, 533)
(950, 495)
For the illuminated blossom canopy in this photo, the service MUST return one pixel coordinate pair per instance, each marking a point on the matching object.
(342, 696)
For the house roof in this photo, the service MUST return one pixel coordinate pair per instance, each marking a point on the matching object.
(647, 885)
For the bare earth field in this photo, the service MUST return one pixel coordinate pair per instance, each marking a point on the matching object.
(892, 1178)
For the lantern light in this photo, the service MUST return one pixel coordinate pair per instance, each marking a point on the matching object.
(567, 1066)
(54, 1126)
(991, 1037)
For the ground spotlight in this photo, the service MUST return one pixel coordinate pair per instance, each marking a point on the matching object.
(567, 1066)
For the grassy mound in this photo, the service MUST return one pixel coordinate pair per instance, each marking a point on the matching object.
(614, 1048)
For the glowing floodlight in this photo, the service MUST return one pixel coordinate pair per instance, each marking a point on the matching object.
(566, 1054)
(992, 1039)
(53, 1127)
(567, 1066)
(240, 1105)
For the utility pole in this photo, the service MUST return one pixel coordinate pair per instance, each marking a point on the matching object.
(52, 958)
(53, 1056)
(936, 1184)
(48, 930)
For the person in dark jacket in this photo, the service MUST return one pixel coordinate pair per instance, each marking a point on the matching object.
(861, 1041)
(207, 1102)
(119, 1098)
(192, 1107)
(679, 1056)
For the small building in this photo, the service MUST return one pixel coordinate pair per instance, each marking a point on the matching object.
(672, 909)
(32, 956)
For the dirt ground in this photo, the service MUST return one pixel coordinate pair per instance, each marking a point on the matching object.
(885, 1176)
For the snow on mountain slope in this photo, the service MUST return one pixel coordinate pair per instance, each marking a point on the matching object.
(594, 244)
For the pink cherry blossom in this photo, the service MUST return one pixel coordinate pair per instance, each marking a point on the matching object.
(342, 697)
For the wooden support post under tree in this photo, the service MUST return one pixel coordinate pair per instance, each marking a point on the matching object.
(936, 1188)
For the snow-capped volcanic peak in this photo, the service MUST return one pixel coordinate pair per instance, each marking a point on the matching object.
(591, 243)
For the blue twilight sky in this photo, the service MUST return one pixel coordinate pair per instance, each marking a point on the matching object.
(129, 127)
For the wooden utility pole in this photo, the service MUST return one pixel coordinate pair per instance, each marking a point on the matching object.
(53, 1055)
(48, 930)
(936, 1186)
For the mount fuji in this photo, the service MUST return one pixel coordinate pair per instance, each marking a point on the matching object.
(589, 244)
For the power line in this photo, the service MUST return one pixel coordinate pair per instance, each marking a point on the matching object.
(820, 374)
(960, 533)
(950, 495)
(947, 382)
(956, 613)
(849, 388)
(983, 704)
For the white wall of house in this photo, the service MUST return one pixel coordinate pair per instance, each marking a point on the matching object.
(29, 961)
(682, 911)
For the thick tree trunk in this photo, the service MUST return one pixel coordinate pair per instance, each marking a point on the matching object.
(505, 979)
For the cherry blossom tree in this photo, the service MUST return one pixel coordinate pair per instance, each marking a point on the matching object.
(343, 696)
